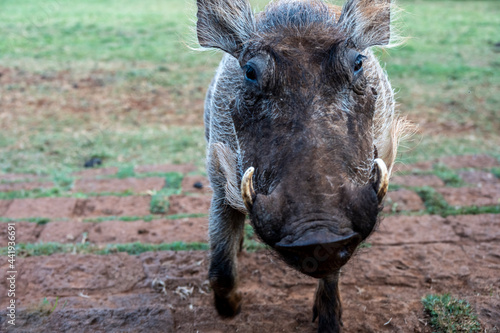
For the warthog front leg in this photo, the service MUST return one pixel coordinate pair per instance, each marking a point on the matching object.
(225, 228)
(327, 306)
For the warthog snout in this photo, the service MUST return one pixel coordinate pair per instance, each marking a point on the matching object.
(319, 253)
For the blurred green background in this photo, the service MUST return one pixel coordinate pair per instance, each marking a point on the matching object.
(122, 81)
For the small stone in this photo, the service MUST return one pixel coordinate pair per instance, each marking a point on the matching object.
(198, 185)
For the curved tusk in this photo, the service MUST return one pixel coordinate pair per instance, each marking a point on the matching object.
(247, 191)
(383, 179)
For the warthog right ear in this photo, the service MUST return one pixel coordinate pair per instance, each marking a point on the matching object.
(224, 24)
(367, 22)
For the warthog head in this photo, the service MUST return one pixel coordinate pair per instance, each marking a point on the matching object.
(303, 104)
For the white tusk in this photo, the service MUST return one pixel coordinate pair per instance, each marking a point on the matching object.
(383, 179)
(247, 191)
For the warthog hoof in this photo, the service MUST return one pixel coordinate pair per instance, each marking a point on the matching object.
(229, 306)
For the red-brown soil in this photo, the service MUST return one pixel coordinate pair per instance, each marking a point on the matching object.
(403, 200)
(408, 257)
(95, 93)
(136, 185)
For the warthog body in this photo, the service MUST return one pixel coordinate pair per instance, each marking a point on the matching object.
(302, 136)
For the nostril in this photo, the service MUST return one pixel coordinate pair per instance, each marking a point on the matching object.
(343, 254)
(319, 254)
(321, 238)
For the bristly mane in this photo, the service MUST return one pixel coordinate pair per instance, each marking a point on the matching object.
(296, 15)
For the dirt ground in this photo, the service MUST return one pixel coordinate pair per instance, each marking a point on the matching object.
(411, 255)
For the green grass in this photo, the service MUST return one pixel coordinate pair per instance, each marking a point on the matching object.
(35, 193)
(448, 176)
(46, 307)
(138, 248)
(429, 147)
(449, 315)
(251, 245)
(125, 171)
(449, 61)
(435, 204)
(57, 192)
(63, 31)
(160, 203)
(37, 220)
(146, 218)
(63, 180)
(444, 75)
(173, 181)
(45, 249)
(496, 172)
(49, 149)
(49, 248)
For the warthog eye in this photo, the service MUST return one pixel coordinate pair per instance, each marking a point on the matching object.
(250, 73)
(358, 63)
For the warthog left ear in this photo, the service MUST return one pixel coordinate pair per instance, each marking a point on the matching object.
(367, 22)
(224, 24)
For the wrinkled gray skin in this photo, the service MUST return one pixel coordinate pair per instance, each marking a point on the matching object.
(300, 97)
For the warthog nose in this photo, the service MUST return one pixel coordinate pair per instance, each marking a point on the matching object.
(320, 253)
(323, 242)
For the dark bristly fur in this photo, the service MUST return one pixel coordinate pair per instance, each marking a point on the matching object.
(326, 303)
(300, 97)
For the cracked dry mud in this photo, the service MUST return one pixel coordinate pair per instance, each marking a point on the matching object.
(411, 255)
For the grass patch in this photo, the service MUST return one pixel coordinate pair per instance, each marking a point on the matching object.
(125, 171)
(251, 242)
(57, 192)
(173, 181)
(46, 307)
(146, 218)
(249, 233)
(444, 75)
(185, 215)
(104, 31)
(449, 315)
(160, 200)
(138, 248)
(473, 210)
(496, 172)
(42, 221)
(35, 193)
(49, 248)
(37, 220)
(45, 249)
(435, 204)
(430, 147)
(446, 69)
(251, 245)
(159, 203)
(56, 146)
(63, 181)
(448, 176)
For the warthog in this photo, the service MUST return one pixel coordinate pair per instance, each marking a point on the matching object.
(302, 136)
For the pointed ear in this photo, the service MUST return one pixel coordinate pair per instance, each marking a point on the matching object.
(224, 24)
(367, 22)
